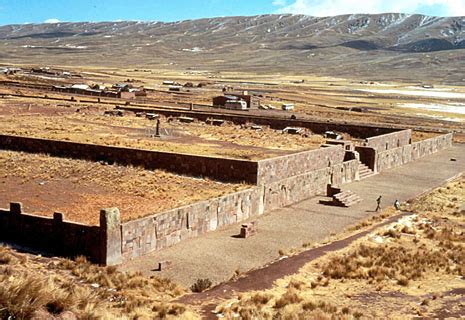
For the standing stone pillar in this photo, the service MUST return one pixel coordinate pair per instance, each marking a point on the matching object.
(16, 208)
(157, 130)
(110, 237)
(58, 234)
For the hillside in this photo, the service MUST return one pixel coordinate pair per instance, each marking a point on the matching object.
(384, 46)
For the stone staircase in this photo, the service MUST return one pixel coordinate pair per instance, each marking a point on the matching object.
(346, 199)
(364, 171)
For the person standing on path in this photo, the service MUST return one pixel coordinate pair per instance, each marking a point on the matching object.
(378, 201)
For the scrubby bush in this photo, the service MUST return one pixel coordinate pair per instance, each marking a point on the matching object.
(201, 285)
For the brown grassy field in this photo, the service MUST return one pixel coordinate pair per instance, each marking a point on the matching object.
(80, 188)
(414, 267)
(42, 288)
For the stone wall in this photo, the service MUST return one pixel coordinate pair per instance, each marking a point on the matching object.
(355, 130)
(228, 170)
(59, 237)
(390, 140)
(279, 168)
(162, 230)
(294, 189)
(400, 156)
(279, 182)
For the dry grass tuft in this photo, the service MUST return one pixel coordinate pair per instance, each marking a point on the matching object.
(201, 285)
(34, 288)
(391, 270)
(5, 256)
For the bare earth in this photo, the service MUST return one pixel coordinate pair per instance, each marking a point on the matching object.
(80, 189)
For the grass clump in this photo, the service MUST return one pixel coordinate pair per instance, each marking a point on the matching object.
(201, 285)
(44, 288)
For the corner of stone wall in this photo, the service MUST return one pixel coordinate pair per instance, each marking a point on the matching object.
(110, 237)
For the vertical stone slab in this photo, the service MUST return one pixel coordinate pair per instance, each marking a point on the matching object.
(14, 227)
(16, 208)
(110, 237)
(58, 233)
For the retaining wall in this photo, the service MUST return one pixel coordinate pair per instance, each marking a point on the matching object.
(294, 189)
(400, 156)
(229, 170)
(275, 169)
(390, 140)
(279, 182)
(162, 230)
(59, 237)
(355, 130)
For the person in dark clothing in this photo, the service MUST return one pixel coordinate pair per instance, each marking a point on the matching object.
(378, 202)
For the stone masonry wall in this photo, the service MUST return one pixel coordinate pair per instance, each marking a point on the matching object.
(229, 170)
(155, 232)
(279, 168)
(56, 236)
(279, 182)
(390, 140)
(298, 188)
(400, 156)
(277, 123)
(159, 231)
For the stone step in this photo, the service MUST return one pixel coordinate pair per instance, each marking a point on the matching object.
(364, 171)
(366, 175)
(346, 199)
(345, 196)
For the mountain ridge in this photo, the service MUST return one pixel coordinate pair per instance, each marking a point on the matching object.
(284, 43)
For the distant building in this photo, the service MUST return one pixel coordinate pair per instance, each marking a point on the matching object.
(9, 71)
(236, 105)
(175, 88)
(80, 86)
(84, 89)
(251, 101)
(122, 86)
(287, 106)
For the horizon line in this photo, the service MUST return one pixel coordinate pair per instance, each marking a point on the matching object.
(219, 17)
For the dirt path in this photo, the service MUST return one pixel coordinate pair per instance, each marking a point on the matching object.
(264, 277)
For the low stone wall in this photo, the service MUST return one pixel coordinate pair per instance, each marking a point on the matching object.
(400, 156)
(228, 170)
(63, 238)
(162, 230)
(275, 122)
(390, 140)
(279, 168)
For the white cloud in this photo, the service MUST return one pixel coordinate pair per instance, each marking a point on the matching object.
(53, 20)
(279, 3)
(323, 8)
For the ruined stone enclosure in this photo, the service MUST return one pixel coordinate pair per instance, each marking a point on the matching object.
(164, 195)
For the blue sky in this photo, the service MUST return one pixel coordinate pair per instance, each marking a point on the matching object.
(36, 11)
